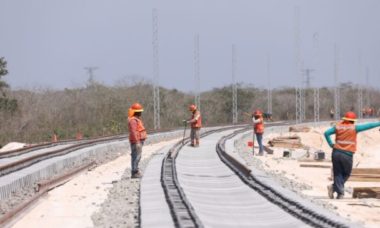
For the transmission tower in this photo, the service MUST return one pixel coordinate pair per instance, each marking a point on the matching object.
(197, 72)
(360, 101)
(297, 58)
(367, 96)
(234, 87)
(336, 82)
(90, 71)
(269, 87)
(156, 72)
(316, 106)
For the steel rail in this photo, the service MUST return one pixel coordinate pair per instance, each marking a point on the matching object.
(294, 208)
(28, 161)
(42, 188)
(182, 212)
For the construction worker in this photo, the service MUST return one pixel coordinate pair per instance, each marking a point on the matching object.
(196, 124)
(343, 150)
(258, 127)
(137, 136)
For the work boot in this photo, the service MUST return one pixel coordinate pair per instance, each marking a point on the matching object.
(136, 174)
(340, 196)
(261, 153)
(330, 191)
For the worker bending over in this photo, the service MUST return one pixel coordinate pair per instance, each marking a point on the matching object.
(343, 150)
(196, 124)
(258, 127)
(137, 136)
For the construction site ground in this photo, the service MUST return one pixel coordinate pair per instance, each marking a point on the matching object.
(312, 181)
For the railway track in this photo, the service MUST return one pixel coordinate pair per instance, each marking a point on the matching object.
(207, 187)
(31, 172)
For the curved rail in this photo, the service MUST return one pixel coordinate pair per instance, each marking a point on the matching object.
(292, 207)
(25, 162)
(182, 212)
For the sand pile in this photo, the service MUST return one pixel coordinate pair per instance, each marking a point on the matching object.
(311, 182)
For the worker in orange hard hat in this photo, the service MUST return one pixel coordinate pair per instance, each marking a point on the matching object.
(130, 113)
(137, 137)
(196, 124)
(344, 149)
(258, 128)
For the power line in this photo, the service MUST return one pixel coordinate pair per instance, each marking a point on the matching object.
(90, 70)
(336, 82)
(234, 87)
(156, 72)
(197, 72)
(297, 58)
(269, 109)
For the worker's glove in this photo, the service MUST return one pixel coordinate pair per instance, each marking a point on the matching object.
(138, 146)
(184, 121)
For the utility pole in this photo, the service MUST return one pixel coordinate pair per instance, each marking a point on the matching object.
(316, 90)
(360, 101)
(297, 59)
(197, 72)
(306, 74)
(269, 110)
(336, 82)
(156, 72)
(360, 88)
(90, 70)
(234, 87)
(367, 96)
(316, 106)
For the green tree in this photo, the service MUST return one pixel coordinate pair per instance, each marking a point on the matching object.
(5, 103)
(3, 72)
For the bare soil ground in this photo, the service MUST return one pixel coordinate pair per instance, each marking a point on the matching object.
(312, 182)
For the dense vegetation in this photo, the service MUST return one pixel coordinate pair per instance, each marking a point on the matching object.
(97, 110)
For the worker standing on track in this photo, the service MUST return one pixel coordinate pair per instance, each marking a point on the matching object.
(343, 150)
(258, 127)
(196, 124)
(137, 136)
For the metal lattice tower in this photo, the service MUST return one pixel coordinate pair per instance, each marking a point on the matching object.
(316, 106)
(367, 96)
(197, 72)
(336, 82)
(360, 101)
(360, 88)
(269, 110)
(156, 72)
(297, 58)
(234, 87)
(90, 71)
(308, 77)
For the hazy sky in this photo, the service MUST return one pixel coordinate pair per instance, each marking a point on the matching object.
(48, 42)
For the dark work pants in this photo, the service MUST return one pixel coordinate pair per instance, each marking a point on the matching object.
(135, 156)
(342, 167)
(259, 138)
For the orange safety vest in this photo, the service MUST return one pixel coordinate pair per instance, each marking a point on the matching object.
(141, 132)
(198, 123)
(259, 127)
(345, 137)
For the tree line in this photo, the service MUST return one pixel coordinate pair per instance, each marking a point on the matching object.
(95, 109)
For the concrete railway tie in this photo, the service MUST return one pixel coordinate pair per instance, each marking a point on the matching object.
(207, 192)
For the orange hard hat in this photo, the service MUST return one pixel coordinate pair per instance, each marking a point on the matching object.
(258, 113)
(192, 108)
(350, 116)
(136, 107)
(130, 112)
